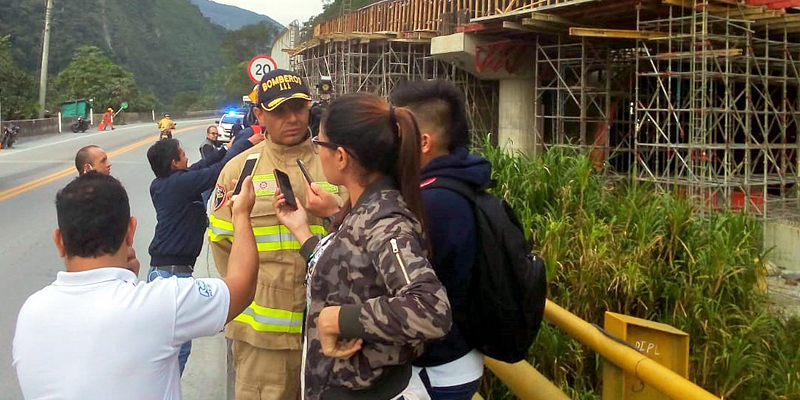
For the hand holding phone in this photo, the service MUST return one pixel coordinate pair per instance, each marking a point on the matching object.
(247, 170)
(304, 169)
(286, 188)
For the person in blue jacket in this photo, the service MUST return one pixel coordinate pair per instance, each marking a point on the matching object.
(181, 219)
(451, 369)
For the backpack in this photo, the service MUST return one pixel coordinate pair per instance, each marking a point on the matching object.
(509, 284)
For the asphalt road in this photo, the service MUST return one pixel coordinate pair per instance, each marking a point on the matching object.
(30, 175)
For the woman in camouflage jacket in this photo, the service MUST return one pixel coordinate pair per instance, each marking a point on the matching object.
(373, 297)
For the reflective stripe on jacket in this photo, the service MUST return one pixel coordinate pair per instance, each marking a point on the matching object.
(274, 318)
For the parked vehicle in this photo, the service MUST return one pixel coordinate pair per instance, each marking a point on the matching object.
(81, 125)
(10, 132)
(226, 123)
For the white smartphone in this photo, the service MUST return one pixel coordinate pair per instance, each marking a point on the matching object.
(249, 166)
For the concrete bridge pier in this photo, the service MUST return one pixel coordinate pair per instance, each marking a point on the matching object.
(517, 91)
(516, 117)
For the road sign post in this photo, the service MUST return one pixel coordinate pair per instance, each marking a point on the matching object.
(259, 66)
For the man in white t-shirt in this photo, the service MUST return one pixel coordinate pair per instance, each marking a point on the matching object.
(97, 332)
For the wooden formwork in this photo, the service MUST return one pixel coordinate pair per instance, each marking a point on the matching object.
(423, 15)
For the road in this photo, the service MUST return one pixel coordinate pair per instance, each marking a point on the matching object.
(30, 175)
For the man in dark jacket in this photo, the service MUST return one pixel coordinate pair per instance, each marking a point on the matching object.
(181, 219)
(451, 369)
(209, 147)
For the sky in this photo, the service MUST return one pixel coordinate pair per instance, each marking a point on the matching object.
(283, 11)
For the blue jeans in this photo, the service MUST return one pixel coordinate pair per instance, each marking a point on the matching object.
(186, 348)
(459, 392)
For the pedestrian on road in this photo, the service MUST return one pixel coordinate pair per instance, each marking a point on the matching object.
(267, 336)
(209, 146)
(92, 158)
(97, 332)
(373, 297)
(108, 120)
(180, 213)
(451, 369)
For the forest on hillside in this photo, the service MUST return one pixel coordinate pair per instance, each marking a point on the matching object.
(168, 52)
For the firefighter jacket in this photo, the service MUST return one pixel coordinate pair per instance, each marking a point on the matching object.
(375, 268)
(274, 319)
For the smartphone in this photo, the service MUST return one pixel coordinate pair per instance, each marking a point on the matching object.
(249, 166)
(303, 168)
(286, 187)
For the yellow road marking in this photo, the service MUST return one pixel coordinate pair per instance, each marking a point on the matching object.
(27, 186)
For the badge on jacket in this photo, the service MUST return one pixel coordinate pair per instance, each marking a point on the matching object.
(219, 196)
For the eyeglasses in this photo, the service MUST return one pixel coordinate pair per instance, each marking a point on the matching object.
(315, 143)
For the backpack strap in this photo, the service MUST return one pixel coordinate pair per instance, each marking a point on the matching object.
(466, 191)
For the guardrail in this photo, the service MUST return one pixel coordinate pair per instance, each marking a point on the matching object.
(528, 384)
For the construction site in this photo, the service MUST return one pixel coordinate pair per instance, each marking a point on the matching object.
(695, 96)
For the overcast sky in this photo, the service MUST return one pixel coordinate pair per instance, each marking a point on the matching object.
(282, 11)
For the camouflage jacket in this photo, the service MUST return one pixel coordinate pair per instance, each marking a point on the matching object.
(375, 267)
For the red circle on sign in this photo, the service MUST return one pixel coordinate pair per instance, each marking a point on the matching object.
(259, 66)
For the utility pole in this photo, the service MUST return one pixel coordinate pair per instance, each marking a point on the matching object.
(45, 54)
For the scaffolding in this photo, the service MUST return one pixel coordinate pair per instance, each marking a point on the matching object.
(378, 64)
(695, 96)
(716, 111)
(583, 97)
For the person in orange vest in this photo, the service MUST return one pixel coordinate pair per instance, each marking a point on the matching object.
(106, 120)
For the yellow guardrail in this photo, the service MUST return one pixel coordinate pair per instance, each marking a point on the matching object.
(528, 384)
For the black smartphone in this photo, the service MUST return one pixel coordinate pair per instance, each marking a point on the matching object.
(249, 166)
(286, 187)
(304, 169)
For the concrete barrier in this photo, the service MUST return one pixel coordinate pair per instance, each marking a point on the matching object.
(34, 127)
(48, 126)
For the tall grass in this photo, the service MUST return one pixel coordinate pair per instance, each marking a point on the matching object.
(621, 246)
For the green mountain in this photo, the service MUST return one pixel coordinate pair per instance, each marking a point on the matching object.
(232, 17)
(168, 45)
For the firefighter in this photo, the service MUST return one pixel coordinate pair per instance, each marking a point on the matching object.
(267, 337)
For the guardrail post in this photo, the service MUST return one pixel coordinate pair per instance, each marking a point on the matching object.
(662, 343)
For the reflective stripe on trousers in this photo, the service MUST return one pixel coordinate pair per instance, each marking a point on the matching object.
(265, 319)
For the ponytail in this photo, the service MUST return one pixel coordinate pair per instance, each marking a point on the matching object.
(408, 159)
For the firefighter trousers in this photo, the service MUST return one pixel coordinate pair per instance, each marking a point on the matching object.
(262, 374)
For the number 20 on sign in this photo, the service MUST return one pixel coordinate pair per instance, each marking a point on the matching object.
(259, 66)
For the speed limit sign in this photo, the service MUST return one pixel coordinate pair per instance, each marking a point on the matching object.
(259, 66)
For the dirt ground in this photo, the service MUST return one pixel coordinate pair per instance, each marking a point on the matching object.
(784, 292)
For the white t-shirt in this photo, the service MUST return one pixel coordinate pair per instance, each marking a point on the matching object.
(103, 334)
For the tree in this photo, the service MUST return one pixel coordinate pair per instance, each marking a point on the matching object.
(93, 75)
(248, 42)
(19, 88)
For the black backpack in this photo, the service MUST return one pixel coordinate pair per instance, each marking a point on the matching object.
(509, 284)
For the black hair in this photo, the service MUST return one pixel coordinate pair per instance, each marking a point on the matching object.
(161, 155)
(381, 138)
(82, 157)
(439, 103)
(93, 215)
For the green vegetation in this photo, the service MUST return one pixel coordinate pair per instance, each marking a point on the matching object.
(621, 246)
(19, 88)
(168, 46)
(92, 75)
